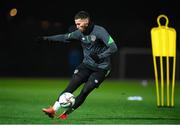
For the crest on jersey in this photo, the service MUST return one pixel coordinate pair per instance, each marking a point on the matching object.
(93, 38)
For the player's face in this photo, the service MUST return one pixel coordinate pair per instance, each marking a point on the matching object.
(82, 24)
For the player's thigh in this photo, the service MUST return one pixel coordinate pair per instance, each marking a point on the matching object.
(81, 73)
(96, 78)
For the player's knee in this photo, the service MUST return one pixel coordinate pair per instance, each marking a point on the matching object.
(76, 78)
(95, 83)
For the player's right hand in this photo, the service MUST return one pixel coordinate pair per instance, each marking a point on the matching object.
(41, 38)
(41, 41)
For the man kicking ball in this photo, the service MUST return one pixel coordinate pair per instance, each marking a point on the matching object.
(98, 46)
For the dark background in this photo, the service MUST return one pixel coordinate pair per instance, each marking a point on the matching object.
(129, 22)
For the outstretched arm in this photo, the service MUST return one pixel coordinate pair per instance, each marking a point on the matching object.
(59, 38)
(63, 37)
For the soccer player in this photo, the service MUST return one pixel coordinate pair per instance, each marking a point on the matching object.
(98, 46)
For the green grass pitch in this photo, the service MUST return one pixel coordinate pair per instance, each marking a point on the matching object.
(21, 101)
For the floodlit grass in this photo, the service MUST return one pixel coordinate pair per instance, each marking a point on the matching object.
(21, 101)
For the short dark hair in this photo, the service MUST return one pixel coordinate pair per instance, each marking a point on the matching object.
(82, 15)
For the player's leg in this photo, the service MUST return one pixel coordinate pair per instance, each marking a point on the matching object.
(76, 81)
(88, 87)
(95, 79)
(80, 75)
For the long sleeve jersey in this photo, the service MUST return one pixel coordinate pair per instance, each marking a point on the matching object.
(98, 41)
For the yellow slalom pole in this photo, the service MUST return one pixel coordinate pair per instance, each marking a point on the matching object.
(162, 81)
(173, 82)
(167, 72)
(156, 80)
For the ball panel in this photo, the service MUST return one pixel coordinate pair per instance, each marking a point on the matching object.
(66, 100)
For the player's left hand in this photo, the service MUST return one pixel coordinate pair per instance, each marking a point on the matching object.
(95, 57)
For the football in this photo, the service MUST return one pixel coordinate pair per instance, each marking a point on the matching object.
(67, 100)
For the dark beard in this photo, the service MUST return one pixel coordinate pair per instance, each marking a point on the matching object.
(89, 28)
